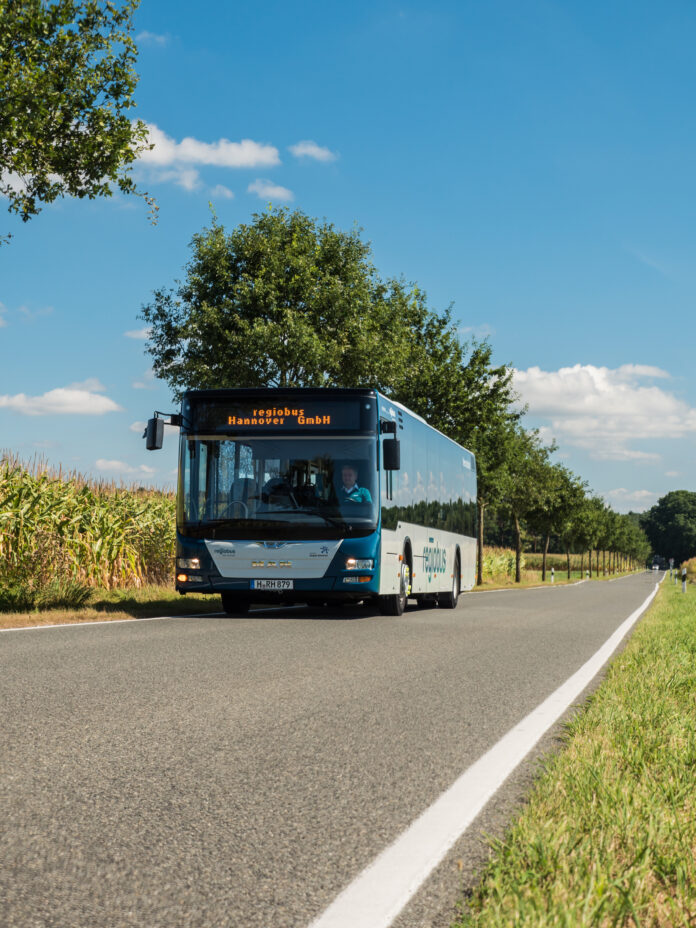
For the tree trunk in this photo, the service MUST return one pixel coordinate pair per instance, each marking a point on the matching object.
(597, 564)
(479, 565)
(604, 563)
(589, 561)
(568, 561)
(543, 560)
(582, 565)
(518, 550)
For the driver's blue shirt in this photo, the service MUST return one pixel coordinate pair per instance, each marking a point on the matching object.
(356, 494)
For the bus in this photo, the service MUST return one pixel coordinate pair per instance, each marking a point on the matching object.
(322, 496)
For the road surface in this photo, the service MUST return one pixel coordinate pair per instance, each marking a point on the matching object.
(240, 772)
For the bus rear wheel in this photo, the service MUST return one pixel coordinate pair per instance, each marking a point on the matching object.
(395, 603)
(234, 604)
(449, 600)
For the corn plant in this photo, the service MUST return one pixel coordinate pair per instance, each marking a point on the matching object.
(56, 525)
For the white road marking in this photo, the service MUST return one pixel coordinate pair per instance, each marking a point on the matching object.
(380, 892)
(152, 618)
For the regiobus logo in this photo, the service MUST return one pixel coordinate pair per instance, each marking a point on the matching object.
(434, 560)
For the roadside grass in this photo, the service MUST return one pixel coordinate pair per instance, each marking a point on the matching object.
(532, 578)
(108, 605)
(608, 837)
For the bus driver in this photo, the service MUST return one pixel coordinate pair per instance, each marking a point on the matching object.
(350, 491)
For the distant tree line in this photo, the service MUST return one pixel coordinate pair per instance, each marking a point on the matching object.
(290, 301)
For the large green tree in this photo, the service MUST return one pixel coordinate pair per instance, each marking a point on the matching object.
(671, 525)
(286, 300)
(66, 84)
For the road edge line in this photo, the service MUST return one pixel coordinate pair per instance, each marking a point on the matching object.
(383, 889)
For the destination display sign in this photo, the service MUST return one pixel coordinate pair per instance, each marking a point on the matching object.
(277, 416)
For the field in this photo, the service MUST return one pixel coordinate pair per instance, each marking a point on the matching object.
(62, 536)
(609, 834)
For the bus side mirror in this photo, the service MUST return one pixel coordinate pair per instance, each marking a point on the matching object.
(391, 454)
(154, 434)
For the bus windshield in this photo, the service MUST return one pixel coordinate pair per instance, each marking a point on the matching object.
(288, 487)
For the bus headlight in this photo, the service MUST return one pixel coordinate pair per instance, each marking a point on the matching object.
(353, 563)
(188, 563)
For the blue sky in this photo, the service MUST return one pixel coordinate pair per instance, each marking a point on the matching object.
(533, 164)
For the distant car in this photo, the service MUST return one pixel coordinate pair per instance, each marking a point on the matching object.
(655, 567)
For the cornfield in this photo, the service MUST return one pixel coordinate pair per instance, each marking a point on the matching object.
(56, 527)
(499, 563)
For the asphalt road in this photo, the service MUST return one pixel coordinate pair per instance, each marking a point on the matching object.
(240, 772)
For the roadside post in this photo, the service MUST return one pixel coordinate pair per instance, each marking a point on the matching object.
(671, 565)
(587, 574)
(552, 574)
(683, 579)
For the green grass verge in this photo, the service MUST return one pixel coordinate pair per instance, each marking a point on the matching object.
(532, 578)
(146, 602)
(609, 835)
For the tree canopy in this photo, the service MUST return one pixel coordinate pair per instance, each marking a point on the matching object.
(671, 525)
(66, 82)
(287, 300)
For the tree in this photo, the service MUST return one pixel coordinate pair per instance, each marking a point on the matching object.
(559, 494)
(66, 83)
(671, 525)
(571, 499)
(286, 301)
(588, 524)
(521, 483)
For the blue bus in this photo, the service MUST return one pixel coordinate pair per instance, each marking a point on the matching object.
(319, 496)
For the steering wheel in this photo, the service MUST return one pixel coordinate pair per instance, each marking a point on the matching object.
(235, 502)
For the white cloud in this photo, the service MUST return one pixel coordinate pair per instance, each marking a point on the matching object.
(151, 38)
(80, 399)
(121, 467)
(672, 473)
(642, 499)
(223, 153)
(138, 333)
(3, 321)
(188, 178)
(310, 149)
(223, 192)
(605, 410)
(147, 383)
(266, 189)
(32, 314)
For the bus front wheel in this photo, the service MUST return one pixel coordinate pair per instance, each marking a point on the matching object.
(395, 603)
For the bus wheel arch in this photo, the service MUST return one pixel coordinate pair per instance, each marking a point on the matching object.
(395, 603)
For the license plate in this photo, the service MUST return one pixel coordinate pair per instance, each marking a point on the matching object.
(271, 584)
